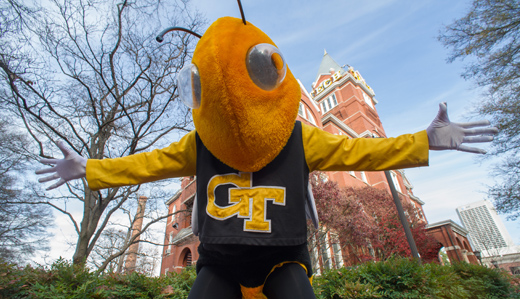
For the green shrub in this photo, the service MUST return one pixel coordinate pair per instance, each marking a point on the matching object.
(400, 278)
(10, 279)
(343, 283)
(444, 284)
(180, 284)
(394, 278)
(64, 280)
(486, 283)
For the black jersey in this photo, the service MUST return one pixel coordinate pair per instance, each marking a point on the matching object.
(266, 207)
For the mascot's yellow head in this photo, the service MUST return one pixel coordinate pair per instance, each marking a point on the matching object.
(244, 97)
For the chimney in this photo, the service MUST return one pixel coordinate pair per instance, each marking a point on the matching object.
(131, 257)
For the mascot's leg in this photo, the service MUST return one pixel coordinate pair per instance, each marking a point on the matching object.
(212, 283)
(288, 281)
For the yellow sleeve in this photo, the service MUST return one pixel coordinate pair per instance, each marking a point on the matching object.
(328, 152)
(177, 160)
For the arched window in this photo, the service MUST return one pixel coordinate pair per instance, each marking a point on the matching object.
(186, 262)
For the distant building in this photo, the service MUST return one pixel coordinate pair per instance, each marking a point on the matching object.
(341, 103)
(487, 232)
(489, 236)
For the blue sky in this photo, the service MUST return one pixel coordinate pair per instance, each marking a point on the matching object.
(394, 46)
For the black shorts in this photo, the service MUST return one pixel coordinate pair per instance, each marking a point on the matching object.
(250, 265)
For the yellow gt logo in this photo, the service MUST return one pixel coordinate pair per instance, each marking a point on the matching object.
(245, 201)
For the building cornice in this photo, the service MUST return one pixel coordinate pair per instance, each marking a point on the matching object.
(174, 197)
(331, 118)
(454, 226)
(178, 193)
(346, 77)
(189, 200)
(417, 199)
(183, 234)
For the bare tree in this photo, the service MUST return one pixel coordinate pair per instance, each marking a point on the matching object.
(23, 225)
(114, 247)
(93, 75)
(16, 16)
(110, 242)
(489, 35)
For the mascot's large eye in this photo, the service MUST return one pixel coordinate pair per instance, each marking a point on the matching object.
(266, 66)
(188, 81)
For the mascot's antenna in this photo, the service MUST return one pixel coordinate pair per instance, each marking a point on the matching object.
(241, 11)
(160, 37)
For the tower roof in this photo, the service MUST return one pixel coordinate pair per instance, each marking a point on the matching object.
(326, 64)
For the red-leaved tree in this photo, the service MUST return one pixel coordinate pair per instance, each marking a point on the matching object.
(365, 222)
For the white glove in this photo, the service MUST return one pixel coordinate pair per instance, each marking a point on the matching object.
(445, 135)
(71, 167)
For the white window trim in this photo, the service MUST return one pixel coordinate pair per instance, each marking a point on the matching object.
(338, 255)
(334, 99)
(301, 110)
(310, 117)
(169, 249)
(395, 180)
(368, 100)
(174, 216)
(364, 177)
(328, 103)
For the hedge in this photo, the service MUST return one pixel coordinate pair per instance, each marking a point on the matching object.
(393, 278)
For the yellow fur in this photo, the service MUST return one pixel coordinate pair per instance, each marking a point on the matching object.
(241, 124)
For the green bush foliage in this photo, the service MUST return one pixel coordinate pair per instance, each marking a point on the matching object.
(394, 278)
(402, 278)
(64, 280)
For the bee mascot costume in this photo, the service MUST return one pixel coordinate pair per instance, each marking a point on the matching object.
(252, 160)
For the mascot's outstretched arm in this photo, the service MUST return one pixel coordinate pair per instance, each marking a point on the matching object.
(176, 160)
(442, 135)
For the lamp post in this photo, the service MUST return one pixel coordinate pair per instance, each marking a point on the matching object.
(402, 217)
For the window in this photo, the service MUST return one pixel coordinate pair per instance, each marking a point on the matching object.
(169, 249)
(364, 177)
(338, 256)
(187, 261)
(174, 216)
(368, 100)
(334, 100)
(395, 181)
(314, 255)
(306, 113)
(324, 106)
(310, 117)
(324, 250)
(301, 110)
(329, 103)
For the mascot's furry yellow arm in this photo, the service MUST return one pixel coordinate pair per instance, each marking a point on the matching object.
(252, 161)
